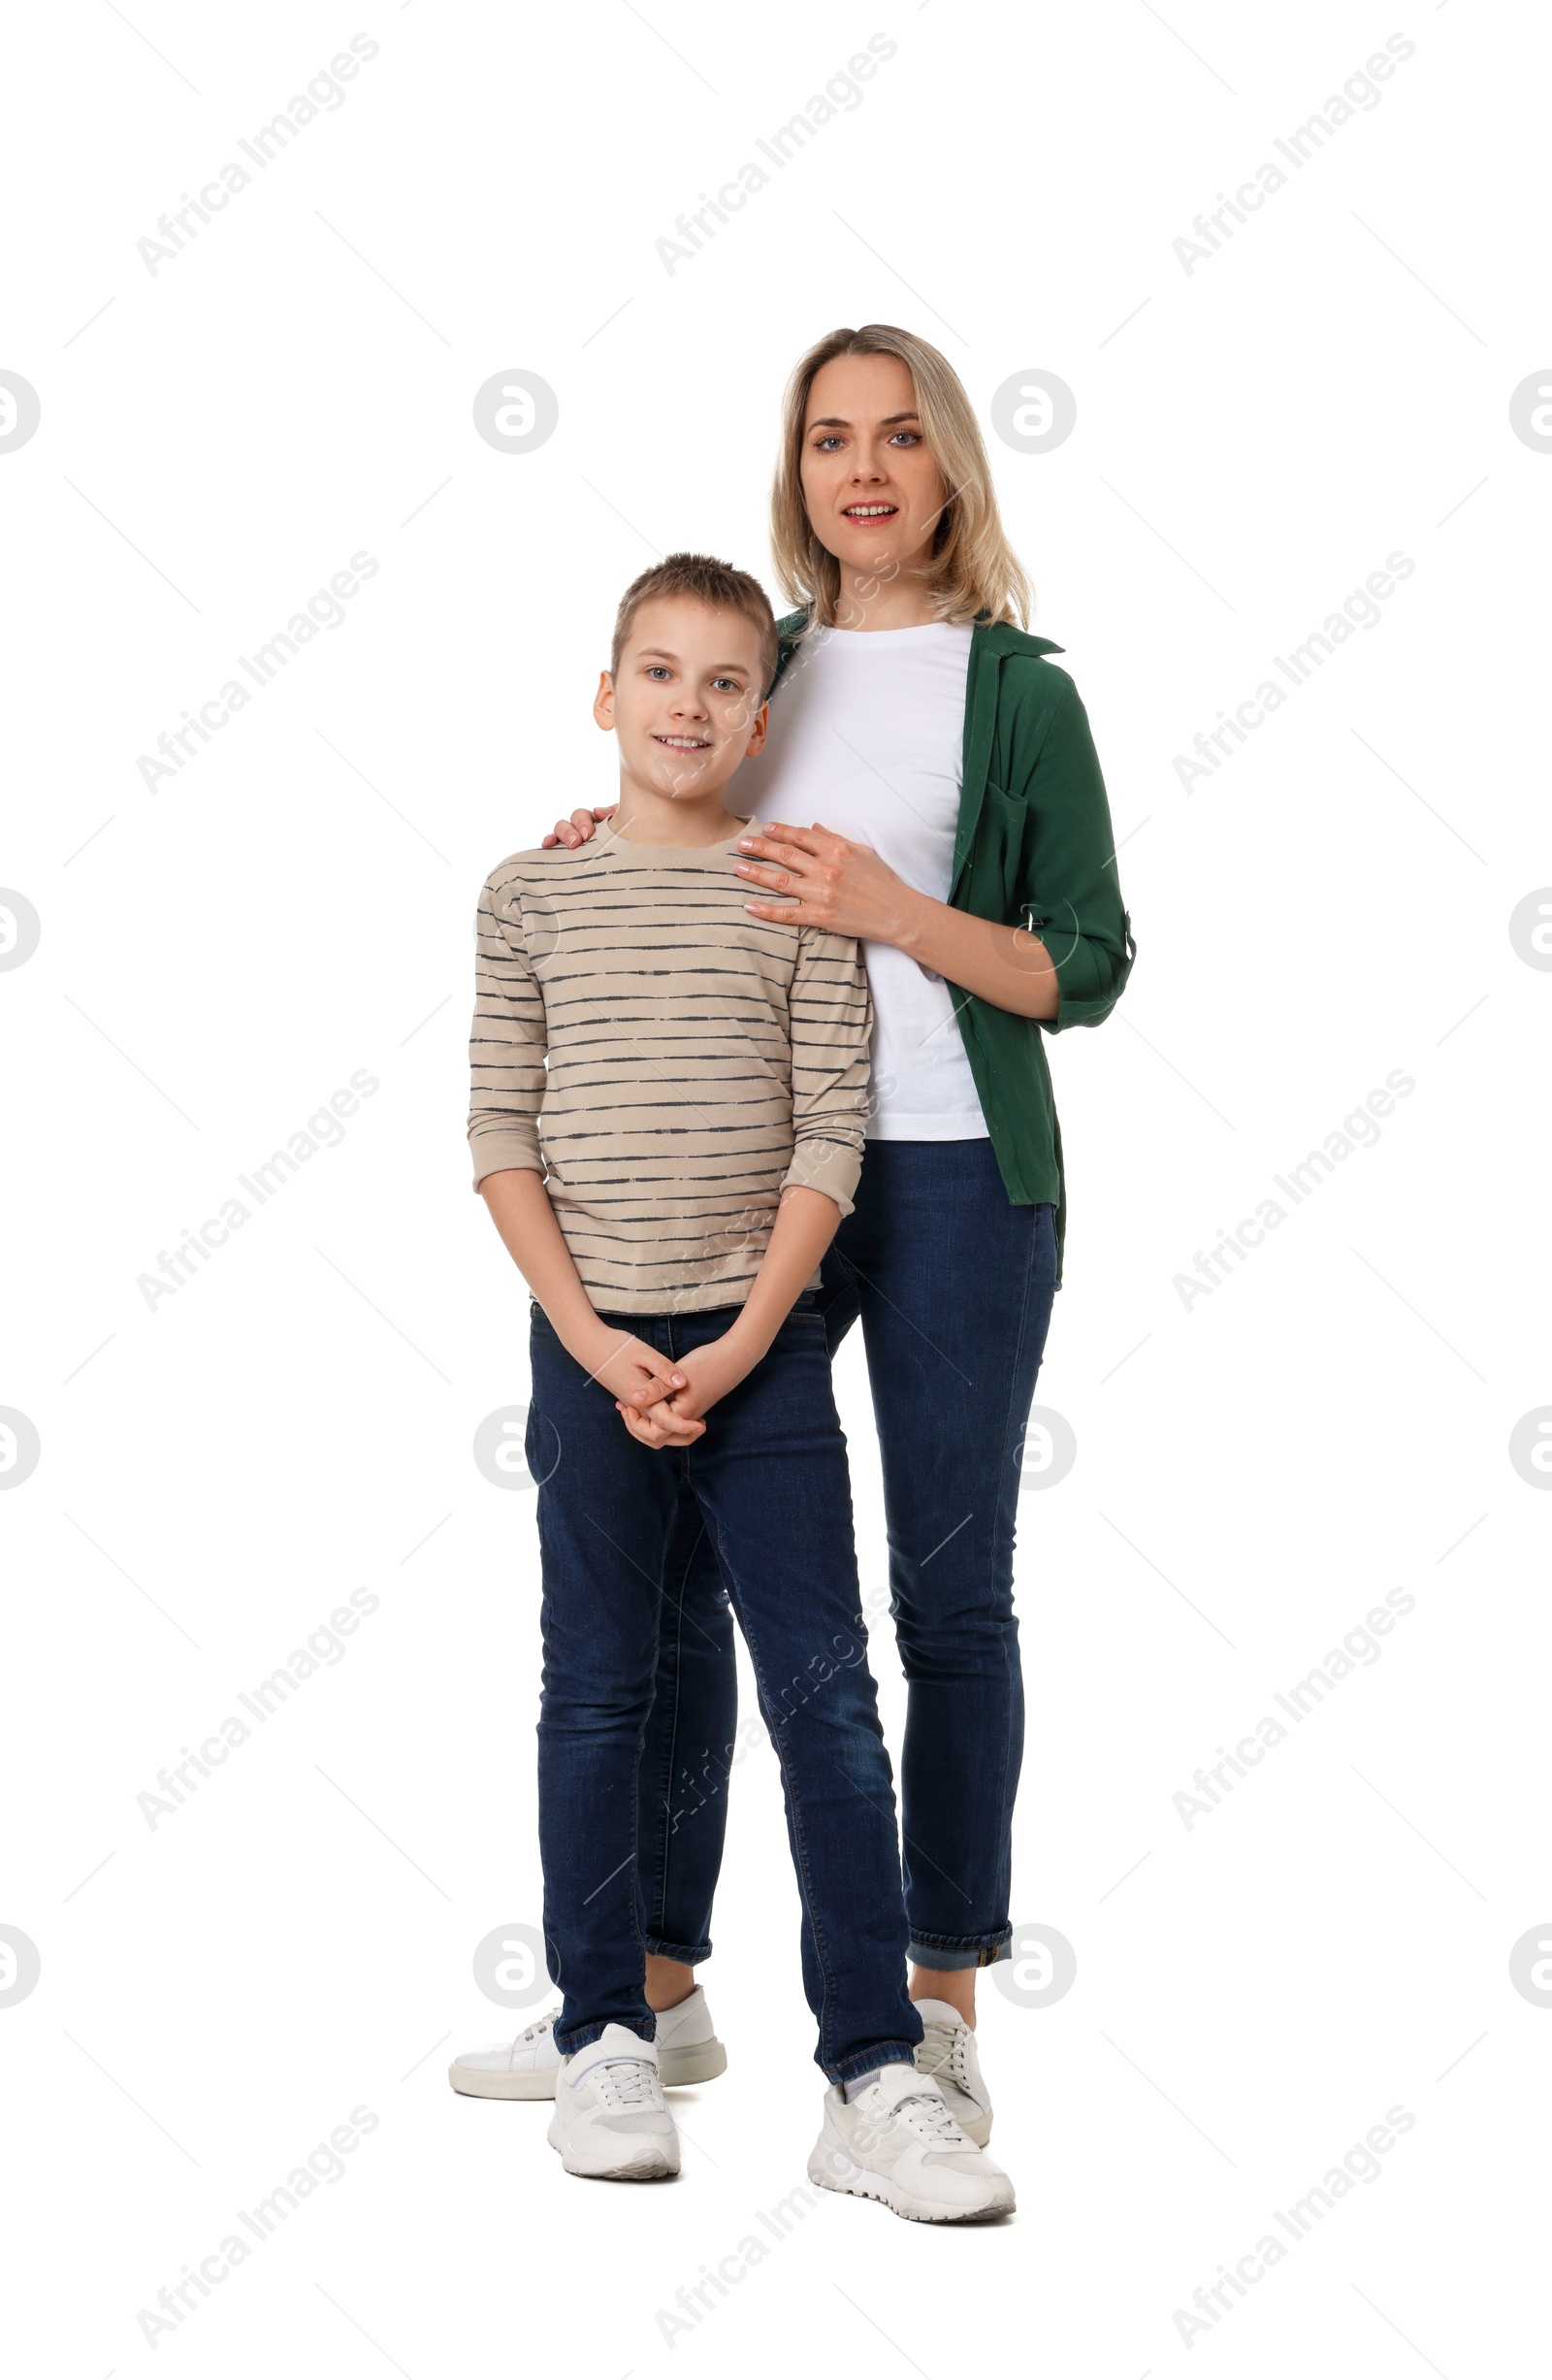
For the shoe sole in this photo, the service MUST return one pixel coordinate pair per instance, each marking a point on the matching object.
(662, 2172)
(617, 2174)
(854, 2181)
(872, 2186)
(703, 2062)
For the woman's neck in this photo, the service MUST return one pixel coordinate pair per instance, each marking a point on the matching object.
(868, 600)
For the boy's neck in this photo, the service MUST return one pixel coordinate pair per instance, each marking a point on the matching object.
(687, 822)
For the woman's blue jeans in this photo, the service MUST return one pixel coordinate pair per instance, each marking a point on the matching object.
(768, 1488)
(954, 1284)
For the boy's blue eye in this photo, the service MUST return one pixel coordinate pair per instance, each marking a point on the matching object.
(656, 669)
(726, 685)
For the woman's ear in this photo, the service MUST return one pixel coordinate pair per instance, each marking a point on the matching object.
(604, 701)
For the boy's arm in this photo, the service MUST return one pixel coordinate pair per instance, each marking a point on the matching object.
(520, 1210)
(804, 1227)
(507, 1041)
(507, 1046)
(832, 1019)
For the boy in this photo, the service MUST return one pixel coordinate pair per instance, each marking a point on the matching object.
(666, 1126)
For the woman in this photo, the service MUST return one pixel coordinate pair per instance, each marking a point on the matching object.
(966, 841)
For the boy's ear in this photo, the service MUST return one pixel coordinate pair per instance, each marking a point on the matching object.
(758, 733)
(603, 703)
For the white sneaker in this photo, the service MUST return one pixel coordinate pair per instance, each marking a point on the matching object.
(897, 2141)
(609, 2120)
(687, 2051)
(948, 2053)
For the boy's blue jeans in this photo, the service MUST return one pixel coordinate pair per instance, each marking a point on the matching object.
(769, 1481)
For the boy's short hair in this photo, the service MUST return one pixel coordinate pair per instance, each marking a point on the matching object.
(709, 581)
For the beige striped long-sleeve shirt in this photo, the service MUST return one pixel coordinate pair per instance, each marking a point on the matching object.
(667, 1062)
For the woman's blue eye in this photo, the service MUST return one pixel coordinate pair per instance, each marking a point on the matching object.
(912, 437)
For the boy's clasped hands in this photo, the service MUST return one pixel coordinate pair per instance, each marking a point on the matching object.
(662, 1404)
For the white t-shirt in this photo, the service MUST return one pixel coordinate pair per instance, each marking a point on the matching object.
(867, 737)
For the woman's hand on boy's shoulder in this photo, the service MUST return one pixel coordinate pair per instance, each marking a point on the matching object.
(579, 828)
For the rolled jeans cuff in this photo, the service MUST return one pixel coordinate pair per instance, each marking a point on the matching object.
(872, 2062)
(688, 1954)
(583, 2036)
(949, 1955)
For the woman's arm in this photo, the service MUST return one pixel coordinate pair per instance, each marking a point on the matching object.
(847, 888)
(1061, 950)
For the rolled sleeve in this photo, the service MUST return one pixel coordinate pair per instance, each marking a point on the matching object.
(507, 1043)
(831, 1166)
(1069, 894)
(831, 1020)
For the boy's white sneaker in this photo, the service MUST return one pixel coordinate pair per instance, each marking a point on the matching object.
(948, 2053)
(896, 2141)
(687, 2051)
(610, 2122)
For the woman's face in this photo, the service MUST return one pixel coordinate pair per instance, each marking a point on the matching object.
(873, 490)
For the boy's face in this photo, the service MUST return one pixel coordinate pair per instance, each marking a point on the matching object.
(686, 701)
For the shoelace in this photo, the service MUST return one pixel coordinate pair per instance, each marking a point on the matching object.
(930, 2113)
(626, 2082)
(540, 2025)
(943, 2053)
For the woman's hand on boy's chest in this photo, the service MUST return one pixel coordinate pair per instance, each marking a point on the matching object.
(840, 886)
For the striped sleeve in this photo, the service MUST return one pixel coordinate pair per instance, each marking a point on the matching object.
(507, 1042)
(831, 1018)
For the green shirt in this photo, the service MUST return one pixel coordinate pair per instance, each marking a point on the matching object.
(1034, 848)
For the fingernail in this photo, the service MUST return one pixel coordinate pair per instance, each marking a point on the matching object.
(745, 842)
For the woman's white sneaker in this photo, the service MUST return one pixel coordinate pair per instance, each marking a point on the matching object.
(948, 2053)
(523, 2068)
(897, 2142)
(610, 2122)
(687, 2048)
(687, 2051)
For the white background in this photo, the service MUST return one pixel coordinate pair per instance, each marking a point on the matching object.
(1253, 1473)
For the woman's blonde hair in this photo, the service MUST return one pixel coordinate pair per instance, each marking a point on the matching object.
(976, 573)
